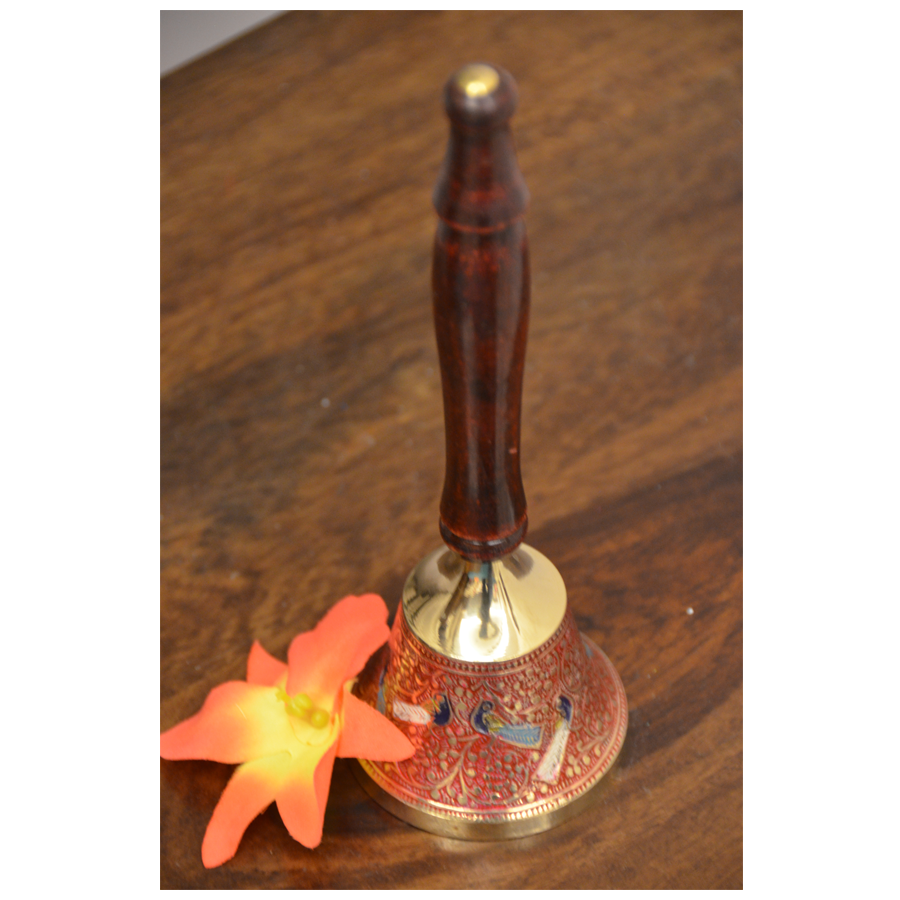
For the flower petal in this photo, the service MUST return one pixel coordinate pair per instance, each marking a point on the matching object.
(367, 734)
(251, 789)
(302, 798)
(238, 722)
(262, 667)
(321, 660)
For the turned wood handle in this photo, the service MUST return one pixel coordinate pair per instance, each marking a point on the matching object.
(480, 282)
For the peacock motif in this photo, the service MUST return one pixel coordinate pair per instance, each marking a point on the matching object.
(379, 702)
(551, 762)
(522, 734)
(435, 711)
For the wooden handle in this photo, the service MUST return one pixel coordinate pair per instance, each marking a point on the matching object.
(480, 282)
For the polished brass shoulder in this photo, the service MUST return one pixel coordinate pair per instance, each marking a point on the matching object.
(484, 612)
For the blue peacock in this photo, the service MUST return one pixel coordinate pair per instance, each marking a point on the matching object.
(522, 734)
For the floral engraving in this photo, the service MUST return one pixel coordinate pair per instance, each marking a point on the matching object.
(492, 739)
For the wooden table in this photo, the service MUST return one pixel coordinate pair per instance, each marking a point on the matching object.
(302, 434)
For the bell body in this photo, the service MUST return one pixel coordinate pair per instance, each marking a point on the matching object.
(514, 719)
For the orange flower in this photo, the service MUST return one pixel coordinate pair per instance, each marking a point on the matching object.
(286, 724)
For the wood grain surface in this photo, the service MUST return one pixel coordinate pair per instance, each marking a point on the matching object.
(302, 427)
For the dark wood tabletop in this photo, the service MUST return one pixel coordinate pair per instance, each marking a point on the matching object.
(301, 418)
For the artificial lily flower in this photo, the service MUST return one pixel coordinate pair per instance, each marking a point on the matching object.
(286, 724)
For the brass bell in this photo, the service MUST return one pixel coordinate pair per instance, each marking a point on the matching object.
(515, 715)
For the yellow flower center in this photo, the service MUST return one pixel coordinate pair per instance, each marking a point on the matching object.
(302, 707)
